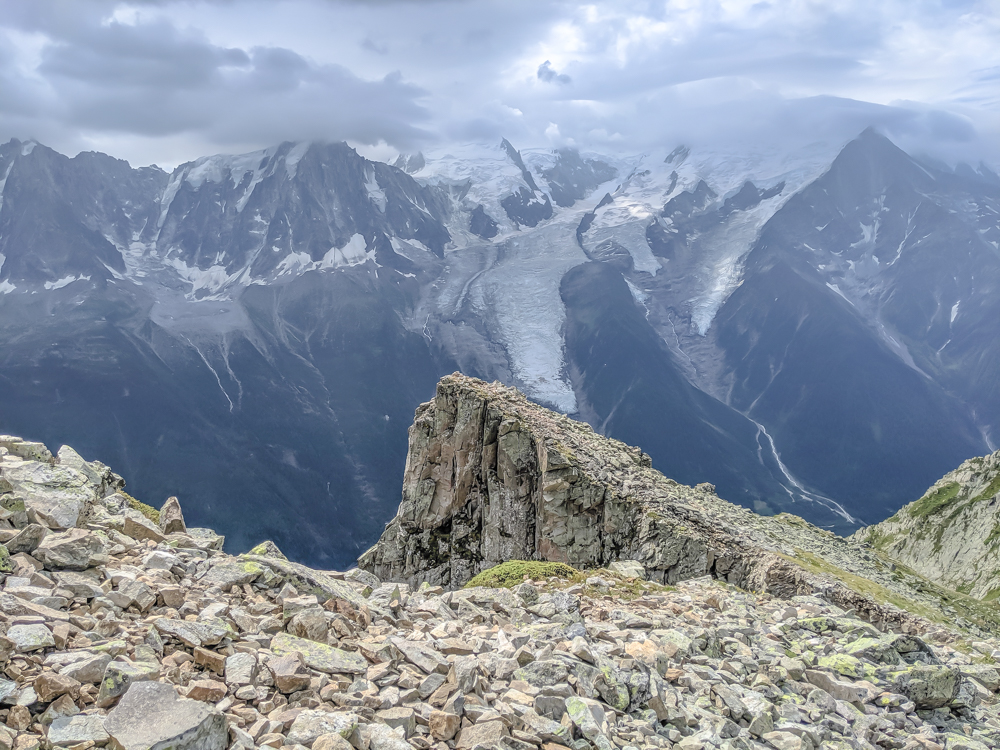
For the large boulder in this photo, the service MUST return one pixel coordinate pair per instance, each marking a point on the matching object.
(171, 517)
(57, 497)
(151, 716)
(929, 686)
(76, 549)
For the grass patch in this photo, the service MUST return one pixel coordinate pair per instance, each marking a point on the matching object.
(511, 573)
(985, 614)
(147, 510)
(935, 501)
(991, 489)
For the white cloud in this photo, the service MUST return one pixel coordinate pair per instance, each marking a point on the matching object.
(172, 80)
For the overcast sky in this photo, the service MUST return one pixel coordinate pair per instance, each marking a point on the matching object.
(166, 82)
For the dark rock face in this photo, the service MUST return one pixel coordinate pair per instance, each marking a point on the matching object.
(525, 207)
(482, 224)
(573, 178)
(842, 333)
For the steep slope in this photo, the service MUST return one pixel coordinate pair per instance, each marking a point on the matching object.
(952, 533)
(630, 386)
(809, 332)
(825, 344)
(153, 332)
(492, 477)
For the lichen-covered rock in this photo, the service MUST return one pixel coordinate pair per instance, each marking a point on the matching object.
(319, 655)
(929, 687)
(54, 496)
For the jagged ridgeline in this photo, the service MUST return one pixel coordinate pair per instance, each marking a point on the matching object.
(951, 534)
(491, 476)
(641, 614)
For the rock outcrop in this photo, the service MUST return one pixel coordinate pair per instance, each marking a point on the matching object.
(952, 533)
(492, 477)
(134, 632)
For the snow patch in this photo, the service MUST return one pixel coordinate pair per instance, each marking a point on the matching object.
(954, 312)
(64, 281)
(211, 279)
(6, 287)
(375, 192)
(3, 182)
(27, 148)
(293, 158)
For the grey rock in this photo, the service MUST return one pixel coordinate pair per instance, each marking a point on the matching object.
(30, 637)
(319, 655)
(171, 517)
(76, 549)
(309, 725)
(27, 540)
(151, 716)
(66, 731)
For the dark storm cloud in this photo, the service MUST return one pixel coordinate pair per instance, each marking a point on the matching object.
(152, 79)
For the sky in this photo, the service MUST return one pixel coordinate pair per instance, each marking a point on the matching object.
(165, 82)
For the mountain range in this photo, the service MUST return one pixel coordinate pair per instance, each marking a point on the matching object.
(809, 332)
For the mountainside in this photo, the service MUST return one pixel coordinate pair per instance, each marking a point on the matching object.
(952, 533)
(123, 627)
(809, 332)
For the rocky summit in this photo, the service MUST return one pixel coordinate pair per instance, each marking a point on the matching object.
(680, 621)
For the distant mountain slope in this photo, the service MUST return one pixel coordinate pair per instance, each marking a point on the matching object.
(952, 533)
(811, 332)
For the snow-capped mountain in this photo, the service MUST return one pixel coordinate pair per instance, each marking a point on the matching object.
(810, 331)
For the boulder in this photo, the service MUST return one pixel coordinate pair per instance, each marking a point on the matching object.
(30, 637)
(171, 517)
(69, 731)
(76, 549)
(119, 676)
(320, 656)
(27, 539)
(929, 686)
(151, 716)
(141, 528)
(312, 724)
(54, 496)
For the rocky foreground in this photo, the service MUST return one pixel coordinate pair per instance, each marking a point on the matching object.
(124, 628)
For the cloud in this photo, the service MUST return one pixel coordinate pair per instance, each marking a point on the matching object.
(549, 75)
(167, 81)
(152, 80)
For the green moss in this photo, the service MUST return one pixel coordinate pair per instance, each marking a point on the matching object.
(511, 573)
(935, 501)
(991, 489)
(147, 510)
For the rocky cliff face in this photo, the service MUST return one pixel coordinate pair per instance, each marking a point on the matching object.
(121, 627)
(492, 477)
(952, 533)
